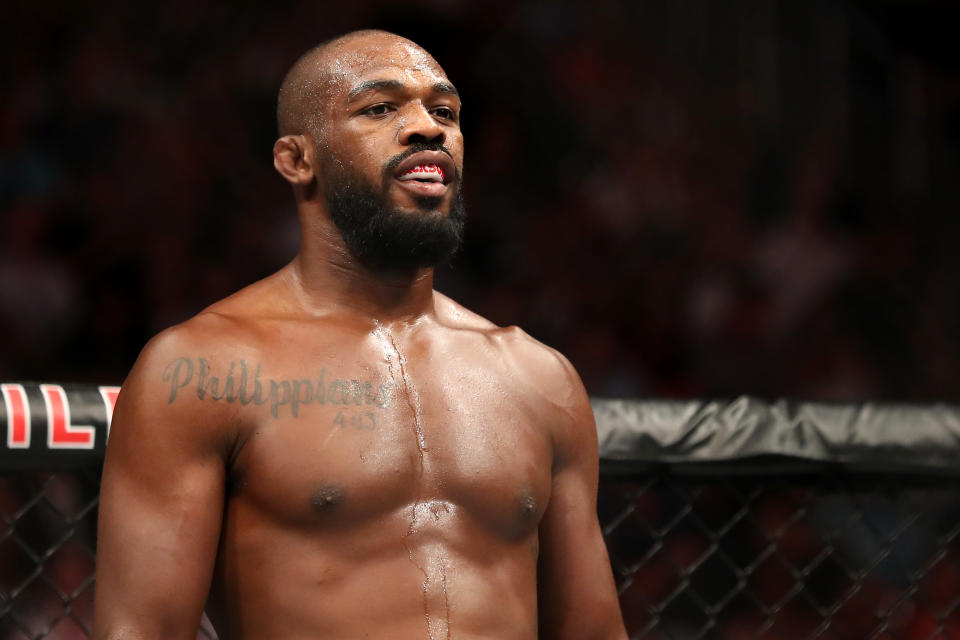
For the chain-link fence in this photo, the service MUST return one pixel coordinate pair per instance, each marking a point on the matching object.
(724, 519)
(832, 556)
(47, 554)
(814, 556)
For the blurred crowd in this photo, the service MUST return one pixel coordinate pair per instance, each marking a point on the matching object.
(685, 198)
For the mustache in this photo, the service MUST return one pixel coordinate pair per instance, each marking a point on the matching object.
(417, 147)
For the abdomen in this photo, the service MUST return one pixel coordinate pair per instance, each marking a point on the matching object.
(424, 572)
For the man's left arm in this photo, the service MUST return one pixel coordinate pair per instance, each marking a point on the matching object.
(576, 592)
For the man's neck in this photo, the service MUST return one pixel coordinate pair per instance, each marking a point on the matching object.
(325, 276)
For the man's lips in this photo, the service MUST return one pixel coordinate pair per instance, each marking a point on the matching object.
(424, 173)
(427, 167)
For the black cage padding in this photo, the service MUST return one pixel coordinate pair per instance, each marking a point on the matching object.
(745, 435)
(749, 435)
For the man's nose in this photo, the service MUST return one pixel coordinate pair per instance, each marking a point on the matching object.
(418, 125)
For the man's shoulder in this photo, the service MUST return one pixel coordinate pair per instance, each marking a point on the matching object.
(237, 319)
(543, 365)
(268, 298)
(156, 394)
(546, 379)
(206, 334)
(230, 328)
(457, 316)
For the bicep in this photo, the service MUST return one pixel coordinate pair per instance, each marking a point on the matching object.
(577, 595)
(159, 520)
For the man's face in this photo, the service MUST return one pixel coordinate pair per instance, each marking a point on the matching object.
(390, 154)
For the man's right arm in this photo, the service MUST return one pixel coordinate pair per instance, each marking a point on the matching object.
(161, 503)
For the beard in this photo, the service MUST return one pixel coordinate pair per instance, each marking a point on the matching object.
(389, 239)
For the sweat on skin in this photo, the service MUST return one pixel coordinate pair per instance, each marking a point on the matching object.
(442, 481)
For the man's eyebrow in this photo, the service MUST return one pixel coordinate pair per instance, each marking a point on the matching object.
(393, 85)
(374, 85)
(445, 87)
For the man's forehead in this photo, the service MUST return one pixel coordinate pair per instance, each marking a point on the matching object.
(356, 60)
(327, 74)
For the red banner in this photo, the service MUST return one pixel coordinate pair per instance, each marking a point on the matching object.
(54, 424)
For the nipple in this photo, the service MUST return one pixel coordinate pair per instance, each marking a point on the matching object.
(326, 497)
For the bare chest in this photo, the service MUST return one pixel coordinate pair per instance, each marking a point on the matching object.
(352, 438)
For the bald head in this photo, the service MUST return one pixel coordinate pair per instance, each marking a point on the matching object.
(363, 119)
(307, 85)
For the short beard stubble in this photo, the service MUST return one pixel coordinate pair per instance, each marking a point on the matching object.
(386, 239)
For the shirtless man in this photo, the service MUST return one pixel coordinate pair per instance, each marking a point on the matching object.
(339, 451)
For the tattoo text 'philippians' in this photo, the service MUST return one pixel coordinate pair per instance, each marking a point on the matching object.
(244, 385)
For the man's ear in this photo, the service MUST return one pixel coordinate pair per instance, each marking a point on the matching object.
(293, 159)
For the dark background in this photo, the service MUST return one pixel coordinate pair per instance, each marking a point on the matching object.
(686, 197)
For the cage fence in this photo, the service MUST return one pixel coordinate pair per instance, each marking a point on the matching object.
(775, 543)
(834, 556)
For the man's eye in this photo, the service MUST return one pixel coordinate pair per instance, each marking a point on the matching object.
(445, 113)
(377, 110)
